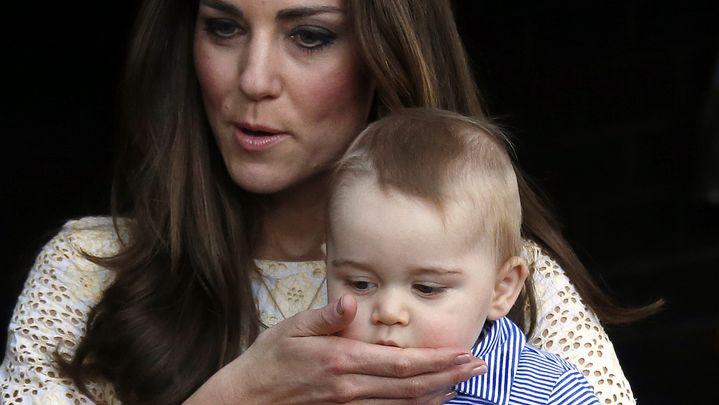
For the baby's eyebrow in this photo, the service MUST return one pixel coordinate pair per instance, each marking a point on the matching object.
(351, 263)
(440, 271)
(423, 270)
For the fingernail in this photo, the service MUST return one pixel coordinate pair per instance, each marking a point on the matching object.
(479, 370)
(450, 395)
(340, 309)
(462, 359)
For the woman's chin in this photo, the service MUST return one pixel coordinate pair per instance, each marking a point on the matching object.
(264, 183)
(258, 186)
(277, 181)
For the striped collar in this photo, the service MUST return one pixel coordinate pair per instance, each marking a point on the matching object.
(501, 345)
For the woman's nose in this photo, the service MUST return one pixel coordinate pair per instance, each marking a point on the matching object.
(260, 70)
(390, 309)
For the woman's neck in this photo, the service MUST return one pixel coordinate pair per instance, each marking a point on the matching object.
(293, 222)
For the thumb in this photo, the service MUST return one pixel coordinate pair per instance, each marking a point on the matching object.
(327, 320)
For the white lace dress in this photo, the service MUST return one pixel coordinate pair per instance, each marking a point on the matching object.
(63, 286)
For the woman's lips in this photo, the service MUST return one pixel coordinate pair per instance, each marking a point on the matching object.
(387, 343)
(256, 138)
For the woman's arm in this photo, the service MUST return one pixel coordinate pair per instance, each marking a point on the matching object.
(50, 316)
(567, 327)
(298, 362)
(295, 361)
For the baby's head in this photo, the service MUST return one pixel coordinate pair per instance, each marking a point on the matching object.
(424, 230)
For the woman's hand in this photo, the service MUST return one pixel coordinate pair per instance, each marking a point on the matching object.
(298, 362)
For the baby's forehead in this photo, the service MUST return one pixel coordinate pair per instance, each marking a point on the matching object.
(457, 206)
(457, 210)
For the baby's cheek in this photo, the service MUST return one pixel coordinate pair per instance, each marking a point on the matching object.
(334, 289)
(448, 333)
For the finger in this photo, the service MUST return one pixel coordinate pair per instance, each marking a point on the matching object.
(327, 320)
(431, 399)
(370, 359)
(420, 386)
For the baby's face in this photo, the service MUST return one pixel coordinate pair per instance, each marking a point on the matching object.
(417, 281)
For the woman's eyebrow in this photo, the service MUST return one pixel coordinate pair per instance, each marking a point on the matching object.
(300, 12)
(223, 6)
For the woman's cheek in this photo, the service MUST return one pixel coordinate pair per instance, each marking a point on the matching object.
(215, 74)
(338, 93)
(203, 69)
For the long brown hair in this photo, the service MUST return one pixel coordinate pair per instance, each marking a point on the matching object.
(181, 305)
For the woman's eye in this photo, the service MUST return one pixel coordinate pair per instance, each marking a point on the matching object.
(222, 28)
(312, 38)
(425, 289)
(361, 285)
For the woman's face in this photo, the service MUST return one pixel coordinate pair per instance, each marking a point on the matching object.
(283, 87)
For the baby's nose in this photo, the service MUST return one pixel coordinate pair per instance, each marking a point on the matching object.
(390, 311)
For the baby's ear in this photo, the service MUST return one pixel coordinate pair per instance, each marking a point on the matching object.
(510, 280)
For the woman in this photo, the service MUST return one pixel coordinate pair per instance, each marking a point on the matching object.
(234, 111)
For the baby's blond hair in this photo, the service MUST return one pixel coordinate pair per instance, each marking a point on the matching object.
(442, 158)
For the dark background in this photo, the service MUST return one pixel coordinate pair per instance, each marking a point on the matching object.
(613, 108)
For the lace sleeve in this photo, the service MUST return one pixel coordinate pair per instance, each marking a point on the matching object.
(51, 313)
(565, 326)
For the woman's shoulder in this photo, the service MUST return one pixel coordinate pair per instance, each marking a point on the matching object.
(538, 258)
(97, 236)
(547, 274)
(50, 315)
(66, 258)
(569, 328)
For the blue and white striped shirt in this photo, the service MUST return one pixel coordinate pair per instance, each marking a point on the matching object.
(521, 374)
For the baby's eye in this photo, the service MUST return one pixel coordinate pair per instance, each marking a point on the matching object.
(426, 289)
(361, 285)
(312, 37)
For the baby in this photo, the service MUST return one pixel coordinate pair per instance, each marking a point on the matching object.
(424, 230)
